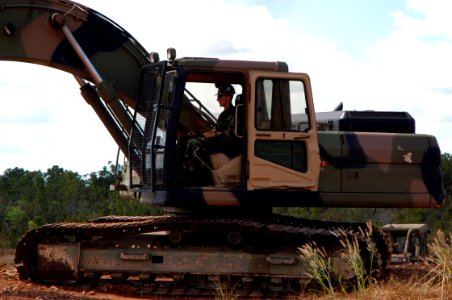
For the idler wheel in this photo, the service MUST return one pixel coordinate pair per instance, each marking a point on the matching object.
(175, 236)
(235, 239)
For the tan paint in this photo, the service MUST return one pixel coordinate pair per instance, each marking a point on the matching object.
(40, 39)
(215, 197)
(265, 174)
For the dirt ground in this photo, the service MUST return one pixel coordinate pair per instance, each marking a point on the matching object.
(12, 288)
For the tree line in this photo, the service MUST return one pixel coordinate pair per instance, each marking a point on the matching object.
(33, 198)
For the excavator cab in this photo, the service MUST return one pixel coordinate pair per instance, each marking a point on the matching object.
(177, 102)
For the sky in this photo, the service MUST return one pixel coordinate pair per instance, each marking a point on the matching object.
(390, 55)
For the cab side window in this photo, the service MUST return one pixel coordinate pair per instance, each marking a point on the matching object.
(281, 105)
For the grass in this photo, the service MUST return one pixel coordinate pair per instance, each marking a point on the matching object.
(320, 267)
(394, 288)
(413, 287)
(431, 279)
(441, 260)
(343, 268)
(225, 289)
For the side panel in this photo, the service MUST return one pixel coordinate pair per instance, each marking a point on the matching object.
(385, 162)
(404, 167)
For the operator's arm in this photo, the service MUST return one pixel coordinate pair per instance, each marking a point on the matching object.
(225, 125)
(211, 134)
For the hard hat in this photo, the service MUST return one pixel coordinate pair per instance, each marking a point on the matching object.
(226, 89)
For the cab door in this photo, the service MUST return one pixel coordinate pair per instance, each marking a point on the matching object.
(283, 150)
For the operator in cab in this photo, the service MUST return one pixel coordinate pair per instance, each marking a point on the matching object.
(223, 138)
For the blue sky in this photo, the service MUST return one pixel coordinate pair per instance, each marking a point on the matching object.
(380, 55)
(353, 25)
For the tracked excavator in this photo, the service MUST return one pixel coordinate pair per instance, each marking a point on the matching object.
(219, 221)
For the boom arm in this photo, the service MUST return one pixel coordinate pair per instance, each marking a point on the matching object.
(76, 39)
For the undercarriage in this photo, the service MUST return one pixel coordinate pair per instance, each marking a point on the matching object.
(190, 255)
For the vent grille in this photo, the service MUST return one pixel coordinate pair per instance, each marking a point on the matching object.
(377, 115)
(377, 121)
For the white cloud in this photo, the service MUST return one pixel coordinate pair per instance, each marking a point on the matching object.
(44, 122)
(415, 66)
(434, 17)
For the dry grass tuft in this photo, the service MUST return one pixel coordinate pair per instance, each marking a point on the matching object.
(432, 280)
(440, 275)
(394, 288)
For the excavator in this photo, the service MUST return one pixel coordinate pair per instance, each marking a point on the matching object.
(219, 221)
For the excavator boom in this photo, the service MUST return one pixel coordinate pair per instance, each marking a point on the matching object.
(76, 39)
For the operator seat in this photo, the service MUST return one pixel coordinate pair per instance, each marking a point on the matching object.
(228, 171)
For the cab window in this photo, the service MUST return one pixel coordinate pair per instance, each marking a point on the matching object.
(281, 105)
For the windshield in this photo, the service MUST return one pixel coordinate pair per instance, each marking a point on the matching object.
(204, 94)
